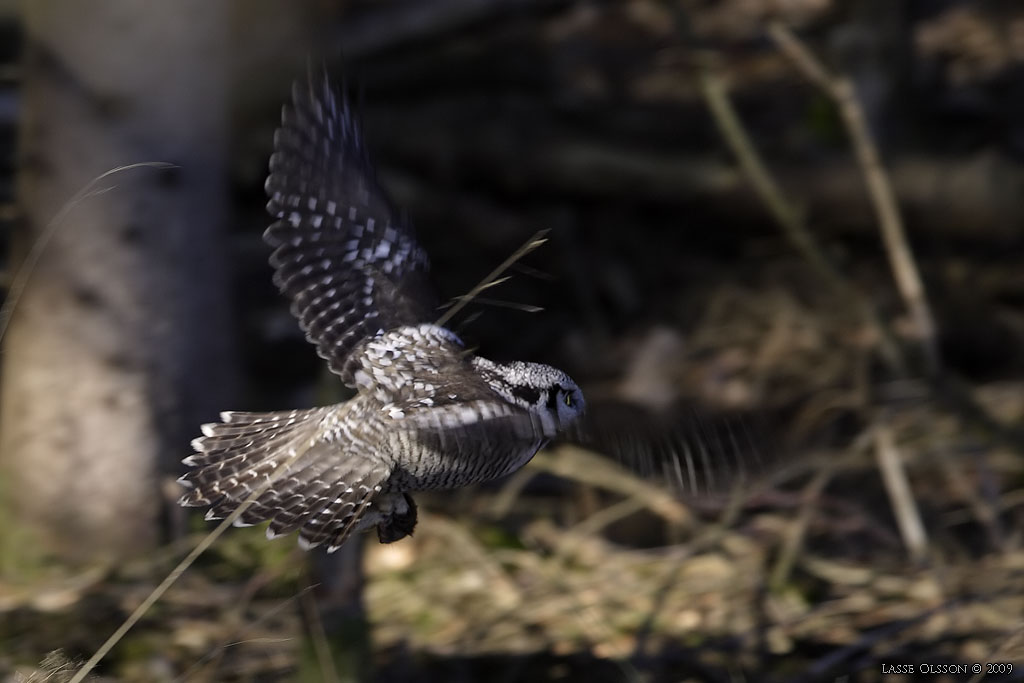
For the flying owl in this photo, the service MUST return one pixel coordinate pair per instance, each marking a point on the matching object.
(427, 413)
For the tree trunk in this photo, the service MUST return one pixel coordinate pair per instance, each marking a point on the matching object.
(118, 349)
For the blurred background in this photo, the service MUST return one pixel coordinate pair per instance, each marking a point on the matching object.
(785, 235)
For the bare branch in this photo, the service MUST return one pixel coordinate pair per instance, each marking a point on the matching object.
(901, 258)
(785, 212)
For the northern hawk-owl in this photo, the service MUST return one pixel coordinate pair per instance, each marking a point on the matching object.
(427, 413)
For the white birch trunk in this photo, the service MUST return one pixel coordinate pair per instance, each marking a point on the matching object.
(118, 348)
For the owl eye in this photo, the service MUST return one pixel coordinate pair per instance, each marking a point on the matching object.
(567, 399)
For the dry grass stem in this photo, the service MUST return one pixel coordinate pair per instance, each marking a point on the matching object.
(983, 510)
(793, 539)
(510, 492)
(494, 277)
(318, 636)
(580, 465)
(789, 218)
(897, 487)
(883, 199)
(182, 566)
(596, 522)
(20, 278)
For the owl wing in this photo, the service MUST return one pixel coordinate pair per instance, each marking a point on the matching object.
(423, 378)
(349, 263)
(694, 453)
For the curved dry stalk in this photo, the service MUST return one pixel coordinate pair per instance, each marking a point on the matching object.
(494, 277)
(883, 199)
(786, 213)
(796, 529)
(581, 465)
(318, 636)
(904, 506)
(20, 279)
(182, 566)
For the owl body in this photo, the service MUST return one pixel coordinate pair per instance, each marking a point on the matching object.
(440, 414)
(427, 414)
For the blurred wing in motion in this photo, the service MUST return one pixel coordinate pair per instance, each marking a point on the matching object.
(692, 453)
(350, 265)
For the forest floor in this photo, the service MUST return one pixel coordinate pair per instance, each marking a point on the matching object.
(575, 569)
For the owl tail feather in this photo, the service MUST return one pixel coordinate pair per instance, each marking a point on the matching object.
(322, 488)
(235, 456)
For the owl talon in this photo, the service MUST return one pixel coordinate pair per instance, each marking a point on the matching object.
(398, 525)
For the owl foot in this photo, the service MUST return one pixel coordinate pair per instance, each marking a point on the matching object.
(400, 523)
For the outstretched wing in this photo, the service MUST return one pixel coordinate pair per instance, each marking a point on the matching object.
(693, 453)
(349, 263)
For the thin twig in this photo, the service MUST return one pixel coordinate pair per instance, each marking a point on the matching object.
(818, 669)
(210, 660)
(708, 537)
(318, 636)
(494, 276)
(796, 531)
(580, 465)
(20, 279)
(593, 524)
(901, 259)
(985, 509)
(182, 566)
(530, 271)
(506, 497)
(462, 542)
(785, 212)
(497, 303)
(904, 506)
(905, 273)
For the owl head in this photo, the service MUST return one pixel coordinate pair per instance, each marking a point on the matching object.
(543, 390)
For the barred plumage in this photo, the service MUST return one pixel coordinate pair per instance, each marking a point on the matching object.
(348, 262)
(427, 414)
